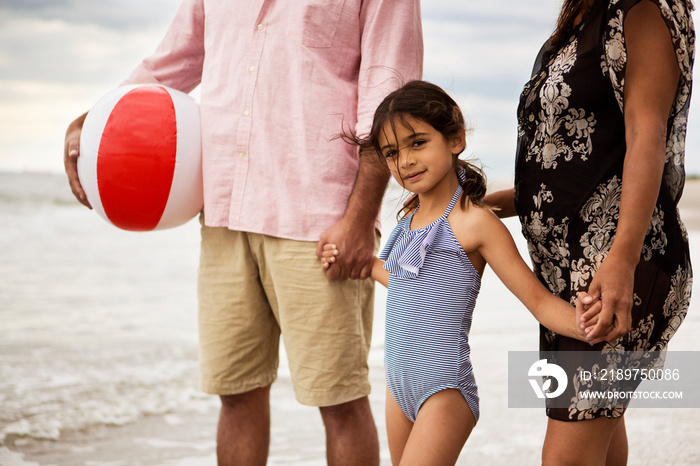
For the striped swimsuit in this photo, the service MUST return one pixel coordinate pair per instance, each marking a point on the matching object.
(432, 291)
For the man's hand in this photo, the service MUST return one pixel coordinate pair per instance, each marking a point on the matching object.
(357, 243)
(354, 234)
(71, 152)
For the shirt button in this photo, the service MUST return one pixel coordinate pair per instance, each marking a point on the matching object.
(246, 112)
(241, 154)
(260, 27)
(251, 69)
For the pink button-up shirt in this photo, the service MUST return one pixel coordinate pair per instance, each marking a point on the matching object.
(280, 79)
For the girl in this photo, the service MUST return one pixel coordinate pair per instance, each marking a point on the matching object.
(432, 265)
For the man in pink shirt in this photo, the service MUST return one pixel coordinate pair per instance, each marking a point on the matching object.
(279, 80)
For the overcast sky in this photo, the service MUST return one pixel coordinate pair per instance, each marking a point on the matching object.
(58, 57)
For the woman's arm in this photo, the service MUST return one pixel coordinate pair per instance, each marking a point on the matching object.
(503, 201)
(650, 85)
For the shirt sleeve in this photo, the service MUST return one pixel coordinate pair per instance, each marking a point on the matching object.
(179, 58)
(391, 53)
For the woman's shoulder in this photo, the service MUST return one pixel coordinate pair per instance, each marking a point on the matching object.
(675, 13)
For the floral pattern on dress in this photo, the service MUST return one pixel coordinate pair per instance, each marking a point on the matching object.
(676, 305)
(600, 214)
(549, 145)
(657, 239)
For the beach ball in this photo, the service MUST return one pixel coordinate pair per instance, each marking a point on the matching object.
(140, 160)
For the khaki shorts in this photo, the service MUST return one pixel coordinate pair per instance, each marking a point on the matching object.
(252, 288)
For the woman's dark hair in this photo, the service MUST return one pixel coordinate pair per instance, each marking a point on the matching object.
(427, 102)
(570, 10)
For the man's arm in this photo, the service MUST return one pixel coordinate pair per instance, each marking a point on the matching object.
(178, 60)
(354, 233)
(392, 53)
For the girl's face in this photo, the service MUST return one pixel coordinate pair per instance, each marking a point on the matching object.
(419, 157)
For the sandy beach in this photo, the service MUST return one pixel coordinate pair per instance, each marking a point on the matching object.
(183, 434)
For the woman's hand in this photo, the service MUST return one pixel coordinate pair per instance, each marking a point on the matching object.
(613, 285)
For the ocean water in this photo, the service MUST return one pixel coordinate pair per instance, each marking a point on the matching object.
(97, 325)
(98, 330)
(98, 351)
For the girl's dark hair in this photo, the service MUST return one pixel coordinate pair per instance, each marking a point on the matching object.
(570, 10)
(427, 102)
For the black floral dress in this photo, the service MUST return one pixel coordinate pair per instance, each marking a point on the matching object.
(568, 182)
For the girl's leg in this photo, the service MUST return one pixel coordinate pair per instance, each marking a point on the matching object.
(442, 427)
(398, 428)
(579, 442)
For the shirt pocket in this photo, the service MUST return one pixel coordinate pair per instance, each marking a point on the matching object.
(320, 22)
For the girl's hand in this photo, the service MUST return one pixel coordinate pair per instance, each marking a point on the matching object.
(587, 316)
(329, 254)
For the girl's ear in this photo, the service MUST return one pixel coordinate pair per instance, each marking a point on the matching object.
(459, 142)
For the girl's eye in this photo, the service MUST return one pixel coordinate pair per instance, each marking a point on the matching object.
(418, 142)
(390, 154)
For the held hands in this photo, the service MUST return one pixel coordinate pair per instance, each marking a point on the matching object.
(588, 316)
(612, 289)
(357, 244)
(331, 254)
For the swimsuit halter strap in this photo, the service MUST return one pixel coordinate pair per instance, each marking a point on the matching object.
(455, 197)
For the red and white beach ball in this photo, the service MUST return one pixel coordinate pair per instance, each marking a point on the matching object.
(140, 160)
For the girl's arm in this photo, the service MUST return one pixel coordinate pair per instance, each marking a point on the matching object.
(489, 237)
(330, 253)
(379, 273)
(650, 85)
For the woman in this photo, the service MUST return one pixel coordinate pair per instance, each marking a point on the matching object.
(599, 172)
